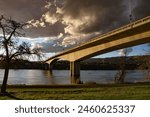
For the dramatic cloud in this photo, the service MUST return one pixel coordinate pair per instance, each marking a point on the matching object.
(32, 11)
(92, 15)
(142, 9)
(70, 22)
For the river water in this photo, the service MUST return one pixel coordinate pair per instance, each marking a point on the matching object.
(33, 77)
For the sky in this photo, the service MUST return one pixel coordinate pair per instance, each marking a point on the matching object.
(61, 24)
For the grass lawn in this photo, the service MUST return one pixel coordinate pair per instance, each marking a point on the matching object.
(79, 92)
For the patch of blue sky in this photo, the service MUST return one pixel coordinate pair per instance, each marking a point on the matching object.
(137, 51)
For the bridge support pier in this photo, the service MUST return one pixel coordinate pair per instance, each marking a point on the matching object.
(75, 72)
(51, 68)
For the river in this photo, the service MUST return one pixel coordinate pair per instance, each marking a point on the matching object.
(33, 77)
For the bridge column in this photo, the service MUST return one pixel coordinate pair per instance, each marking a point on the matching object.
(75, 72)
(45, 66)
(51, 68)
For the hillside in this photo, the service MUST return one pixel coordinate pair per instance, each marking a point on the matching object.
(133, 62)
(113, 63)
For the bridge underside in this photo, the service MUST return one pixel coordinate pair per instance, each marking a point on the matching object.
(130, 36)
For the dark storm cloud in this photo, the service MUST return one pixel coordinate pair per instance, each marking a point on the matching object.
(48, 31)
(106, 13)
(142, 9)
(22, 10)
(75, 19)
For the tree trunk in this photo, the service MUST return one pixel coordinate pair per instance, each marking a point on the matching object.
(4, 84)
(120, 76)
(119, 79)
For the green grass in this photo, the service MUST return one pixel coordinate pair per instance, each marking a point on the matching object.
(79, 92)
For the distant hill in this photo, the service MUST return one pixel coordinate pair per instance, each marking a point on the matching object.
(24, 64)
(114, 63)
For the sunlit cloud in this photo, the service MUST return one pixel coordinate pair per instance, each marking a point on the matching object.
(59, 10)
(125, 52)
(78, 39)
(36, 23)
(50, 18)
(60, 35)
(48, 5)
(75, 26)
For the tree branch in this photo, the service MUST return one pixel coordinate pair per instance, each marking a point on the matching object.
(12, 33)
(3, 30)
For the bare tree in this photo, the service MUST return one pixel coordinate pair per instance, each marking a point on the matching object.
(11, 48)
(120, 76)
(145, 65)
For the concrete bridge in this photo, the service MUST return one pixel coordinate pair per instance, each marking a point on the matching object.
(133, 34)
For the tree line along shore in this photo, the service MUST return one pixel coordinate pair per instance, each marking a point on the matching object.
(113, 63)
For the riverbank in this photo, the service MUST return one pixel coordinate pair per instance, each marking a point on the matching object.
(138, 91)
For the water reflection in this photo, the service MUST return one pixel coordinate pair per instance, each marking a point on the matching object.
(49, 76)
(30, 77)
(75, 80)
